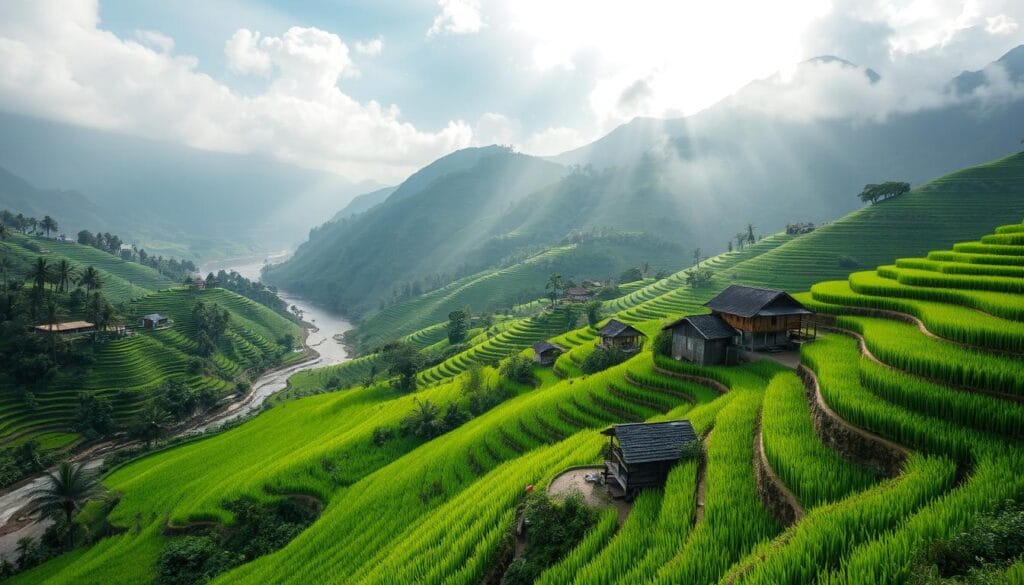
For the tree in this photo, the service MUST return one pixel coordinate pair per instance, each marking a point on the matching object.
(593, 309)
(150, 424)
(697, 257)
(3, 232)
(64, 492)
(95, 417)
(458, 324)
(423, 421)
(40, 273)
(64, 273)
(86, 238)
(741, 238)
(730, 246)
(631, 275)
(751, 239)
(53, 315)
(554, 286)
(873, 193)
(403, 361)
(48, 225)
(90, 279)
(645, 268)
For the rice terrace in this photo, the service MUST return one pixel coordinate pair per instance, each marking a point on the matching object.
(496, 293)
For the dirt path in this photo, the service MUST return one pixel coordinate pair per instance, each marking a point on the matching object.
(702, 476)
(595, 496)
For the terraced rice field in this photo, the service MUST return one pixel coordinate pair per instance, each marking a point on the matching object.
(916, 443)
(127, 369)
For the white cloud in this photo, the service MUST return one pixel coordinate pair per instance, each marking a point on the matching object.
(370, 48)
(244, 54)
(457, 17)
(59, 64)
(1000, 25)
(494, 128)
(156, 40)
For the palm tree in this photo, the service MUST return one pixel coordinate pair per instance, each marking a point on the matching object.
(32, 223)
(151, 423)
(90, 279)
(20, 222)
(750, 233)
(64, 493)
(65, 274)
(40, 273)
(53, 314)
(741, 238)
(48, 225)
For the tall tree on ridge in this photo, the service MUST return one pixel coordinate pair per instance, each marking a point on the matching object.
(90, 279)
(48, 225)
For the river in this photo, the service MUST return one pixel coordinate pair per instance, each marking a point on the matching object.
(322, 327)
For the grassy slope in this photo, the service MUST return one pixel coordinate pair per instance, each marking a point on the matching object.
(438, 513)
(491, 290)
(127, 369)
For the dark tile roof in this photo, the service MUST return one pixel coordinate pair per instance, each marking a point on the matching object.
(577, 291)
(542, 346)
(748, 301)
(649, 442)
(616, 328)
(709, 326)
(155, 317)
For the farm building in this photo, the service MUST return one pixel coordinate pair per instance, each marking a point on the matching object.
(154, 321)
(765, 318)
(577, 294)
(703, 339)
(618, 335)
(545, 353)
(642, 454)
(67, 328)
(197, 283)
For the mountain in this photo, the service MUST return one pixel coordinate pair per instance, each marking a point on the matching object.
(759, 153)
(364, 202)
(1010, 65)
(70, 207)
(442, 222)
(163, 194)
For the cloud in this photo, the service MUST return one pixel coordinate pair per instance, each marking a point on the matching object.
(244, 54)
(1000, 25)
(554, 140)
(370, 48)
(493, 128)
(156, 40)
(457, 17)
(59, 64)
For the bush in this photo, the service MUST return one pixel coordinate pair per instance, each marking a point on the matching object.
(993, 542)
(553, 529)
(662, 344)
(602, 359)
(848, 262)
(517, 368)
(190, 560)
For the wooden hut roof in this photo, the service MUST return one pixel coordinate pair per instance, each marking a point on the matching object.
(576, 291)
(616, 328)
(651, 442)
(65, 326)
(542, 346)
(708, 326)
(749, 301)
(154, 317)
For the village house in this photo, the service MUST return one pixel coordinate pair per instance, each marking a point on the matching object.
(154, 321)
(197, 283)
(618, 335)
(545, 353)
(640, 455)
(765, 318)
(67, 328)
(577, 294)
(704, 339)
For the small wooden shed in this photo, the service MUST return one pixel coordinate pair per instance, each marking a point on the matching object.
(577, 294)
(642, 454)
(545, 353)
(703, 339)
(618, 335)
(154, 321)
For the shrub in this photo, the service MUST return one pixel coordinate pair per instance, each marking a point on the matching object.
(602, 359)
(517, 368)
(848, 262)
(553, 529)
(662, 344)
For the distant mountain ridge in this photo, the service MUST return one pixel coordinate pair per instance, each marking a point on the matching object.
(162, 194)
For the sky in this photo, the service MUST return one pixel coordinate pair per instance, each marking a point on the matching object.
(374, 90)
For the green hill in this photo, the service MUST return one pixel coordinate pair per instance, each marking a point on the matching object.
(598, 258)
(945, 391)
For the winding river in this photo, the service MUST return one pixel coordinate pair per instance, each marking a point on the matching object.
(322, 327)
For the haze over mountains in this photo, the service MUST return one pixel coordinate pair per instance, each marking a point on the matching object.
(166, 197)
(692, 181)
